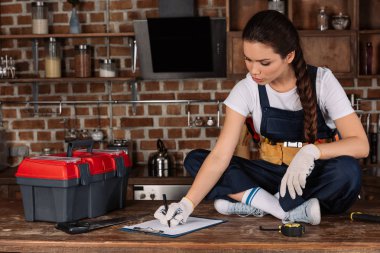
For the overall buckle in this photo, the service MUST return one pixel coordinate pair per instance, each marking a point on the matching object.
(291, 144)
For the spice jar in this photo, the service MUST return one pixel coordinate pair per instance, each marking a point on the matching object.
(39, 18)
(53, 59)
(107, 68)
(82, 61)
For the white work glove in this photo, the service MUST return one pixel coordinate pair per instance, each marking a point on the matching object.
(177, 213)
(300, 167)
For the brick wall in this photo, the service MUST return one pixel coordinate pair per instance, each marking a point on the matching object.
(144, 123)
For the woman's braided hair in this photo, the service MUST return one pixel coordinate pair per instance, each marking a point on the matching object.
(276, 30)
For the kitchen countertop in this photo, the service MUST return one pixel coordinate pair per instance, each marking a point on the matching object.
(336, 233)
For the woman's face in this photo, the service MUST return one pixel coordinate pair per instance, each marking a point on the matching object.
(264, 65)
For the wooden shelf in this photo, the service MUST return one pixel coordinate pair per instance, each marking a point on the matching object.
(68, 35)
(368, 76)
(68, 79)
(375, 31)
(327, 33)
(139, 175)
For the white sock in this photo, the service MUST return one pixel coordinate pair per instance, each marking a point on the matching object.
(261, 199)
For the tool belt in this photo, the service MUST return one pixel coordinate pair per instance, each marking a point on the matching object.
(282, 152)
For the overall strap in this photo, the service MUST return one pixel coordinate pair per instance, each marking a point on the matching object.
(312, 71)
(264, 101)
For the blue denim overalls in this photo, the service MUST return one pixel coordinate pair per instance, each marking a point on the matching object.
(334, 182)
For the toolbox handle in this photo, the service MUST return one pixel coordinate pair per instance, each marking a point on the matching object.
(89, 144)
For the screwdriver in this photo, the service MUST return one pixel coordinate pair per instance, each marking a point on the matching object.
(358, 216)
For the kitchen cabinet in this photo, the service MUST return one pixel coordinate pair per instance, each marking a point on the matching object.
(335, 49)
(369, 31)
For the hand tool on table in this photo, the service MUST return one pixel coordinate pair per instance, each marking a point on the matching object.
(78, 227)
(289, 229)
(358, 216)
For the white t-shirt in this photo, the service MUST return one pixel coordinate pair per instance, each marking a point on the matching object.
(332, 99)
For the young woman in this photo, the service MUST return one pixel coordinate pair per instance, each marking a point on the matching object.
(298, 110)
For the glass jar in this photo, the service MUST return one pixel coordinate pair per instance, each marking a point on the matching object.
(39, 18)
(107, 68)
(198, 122)
(46, 151)
(277, 5)
(84, 134)
(210, 121)
(82, 61)
(53, 59)
(323, 19)
(70, 135)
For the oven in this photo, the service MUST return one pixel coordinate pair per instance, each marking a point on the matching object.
(155, 192)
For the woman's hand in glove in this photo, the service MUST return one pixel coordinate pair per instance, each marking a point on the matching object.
(300, 167)
(177, 213)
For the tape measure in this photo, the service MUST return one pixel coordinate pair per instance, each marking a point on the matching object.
(293, 229)
(289, 229)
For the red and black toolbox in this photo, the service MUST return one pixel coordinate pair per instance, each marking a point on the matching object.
(74, 185)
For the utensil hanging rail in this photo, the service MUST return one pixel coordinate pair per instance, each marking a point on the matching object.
(114, 102)
(94, 102)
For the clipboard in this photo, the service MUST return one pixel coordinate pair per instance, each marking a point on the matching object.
(154, 227)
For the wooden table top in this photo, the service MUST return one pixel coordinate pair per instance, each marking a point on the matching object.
(336, 233)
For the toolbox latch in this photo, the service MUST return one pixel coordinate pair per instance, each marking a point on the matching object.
(121, 171)
(84, 173)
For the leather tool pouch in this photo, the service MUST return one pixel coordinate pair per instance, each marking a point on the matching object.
(270, 153)
(277, 153)
(288, 153)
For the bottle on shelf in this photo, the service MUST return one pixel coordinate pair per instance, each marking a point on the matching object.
(82, 60)
(40, 18)
(277, 5)
(368, 59)
(74, 21)
(323, 19)
(53, 59)
(107, 68)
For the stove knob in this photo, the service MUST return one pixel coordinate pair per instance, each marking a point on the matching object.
(142, 196)
(152, 196)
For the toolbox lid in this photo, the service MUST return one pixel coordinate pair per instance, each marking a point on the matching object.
(100, 163)
(57, 158)
(50, 167)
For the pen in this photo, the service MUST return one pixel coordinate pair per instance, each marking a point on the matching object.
(166, 206)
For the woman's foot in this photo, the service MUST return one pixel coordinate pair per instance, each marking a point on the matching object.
(308, 212)
(227, 208)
